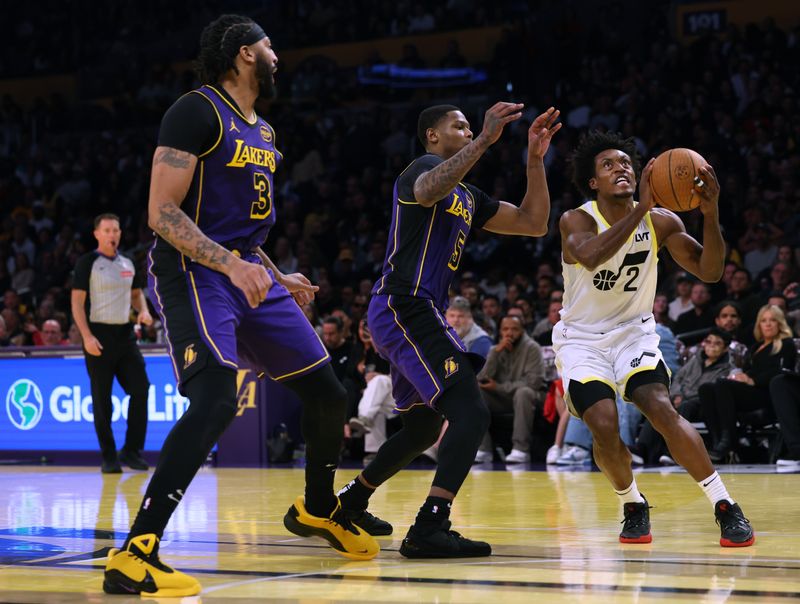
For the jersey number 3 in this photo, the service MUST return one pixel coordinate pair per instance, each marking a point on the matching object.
(455, 259)
(260, 209)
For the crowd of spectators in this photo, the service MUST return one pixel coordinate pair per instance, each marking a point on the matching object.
(62, 163)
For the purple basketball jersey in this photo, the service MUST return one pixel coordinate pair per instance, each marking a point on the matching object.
(231, 196)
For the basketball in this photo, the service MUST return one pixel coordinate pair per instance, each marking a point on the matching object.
(672, 180)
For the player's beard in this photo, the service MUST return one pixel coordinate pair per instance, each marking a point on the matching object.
(266, 83)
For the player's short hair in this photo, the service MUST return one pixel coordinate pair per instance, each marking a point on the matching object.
(219, 43)
(592, 143)
(104, 216)
(732, 303)
(429, 118)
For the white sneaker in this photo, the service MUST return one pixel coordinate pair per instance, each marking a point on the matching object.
(636, 459)
(574, 456)
(553, 453)
(788, 465)
(483, 456)
(359, 426)
(517, 456)
(666, 460)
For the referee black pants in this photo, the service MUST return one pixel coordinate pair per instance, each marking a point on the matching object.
(120, 358)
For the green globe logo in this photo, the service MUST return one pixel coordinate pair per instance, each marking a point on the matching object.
(24, 404)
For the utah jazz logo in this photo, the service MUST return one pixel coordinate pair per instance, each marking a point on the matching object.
(189, 356)
(638, 361)
(450, 367)
(605, 280)
(233, 127)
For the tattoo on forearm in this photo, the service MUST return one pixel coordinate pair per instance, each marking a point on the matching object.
(173, 158)
(438, 182)
(177, 228)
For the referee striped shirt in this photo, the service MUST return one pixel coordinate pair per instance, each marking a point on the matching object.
(108, 282)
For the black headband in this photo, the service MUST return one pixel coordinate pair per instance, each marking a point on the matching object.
(253, 35)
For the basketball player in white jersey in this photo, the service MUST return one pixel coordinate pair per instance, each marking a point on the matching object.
(606, 342)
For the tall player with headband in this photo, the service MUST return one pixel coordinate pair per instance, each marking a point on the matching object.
(221, 298)
(606, 342)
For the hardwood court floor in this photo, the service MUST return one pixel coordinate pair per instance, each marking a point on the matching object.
(554, 536)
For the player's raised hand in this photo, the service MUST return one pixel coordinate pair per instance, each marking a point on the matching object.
(252, 279)
(707, 188)
(300, 287)
(497, 117)
(541, 132)
(645, 192)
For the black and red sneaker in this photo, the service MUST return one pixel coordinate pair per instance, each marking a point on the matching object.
(636, 525)
(735, 529)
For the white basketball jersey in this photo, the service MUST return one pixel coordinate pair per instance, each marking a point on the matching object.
(619, 290)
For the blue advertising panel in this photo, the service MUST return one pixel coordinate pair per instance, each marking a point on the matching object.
(47, 404)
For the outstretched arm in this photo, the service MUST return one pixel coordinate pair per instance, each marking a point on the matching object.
(435, 184)
(706, 261)
(533, 214)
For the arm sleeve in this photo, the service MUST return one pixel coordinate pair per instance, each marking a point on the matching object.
(82, 272)
(405, 182)
(485, 207)
(190, 125)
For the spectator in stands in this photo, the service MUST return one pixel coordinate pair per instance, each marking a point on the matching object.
(700, 317)
(763, 253)
(661, 310)
(512, 380)
(4, 341)
(740, 291)
(683, 297)
(492, 310)
(543, 331)
(748, 390)
(459, 316)
(14, 333)
(341, 351)
(728, 318)
(52, 334)
(711, 362)
(784, 391)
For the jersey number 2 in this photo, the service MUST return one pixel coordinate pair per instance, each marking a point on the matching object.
(633, 272)
(260, 209)
(455, 259)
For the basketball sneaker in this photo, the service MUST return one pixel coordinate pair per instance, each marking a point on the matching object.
(372, 524)
(338, 530)
(636, 525)
(137, 570)
(441, 542)
(735, 529)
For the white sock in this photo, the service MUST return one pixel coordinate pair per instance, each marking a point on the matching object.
(715, 489)
(630, 495)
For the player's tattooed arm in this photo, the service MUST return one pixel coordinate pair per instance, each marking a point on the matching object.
(171, 177)
(435, 184)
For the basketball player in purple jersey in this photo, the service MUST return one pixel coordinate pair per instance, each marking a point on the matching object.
(221, 299)
(433, 375)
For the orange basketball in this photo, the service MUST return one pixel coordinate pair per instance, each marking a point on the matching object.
(673, 178)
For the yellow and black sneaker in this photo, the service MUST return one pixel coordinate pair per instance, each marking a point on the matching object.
(137, 570)
(338, 530)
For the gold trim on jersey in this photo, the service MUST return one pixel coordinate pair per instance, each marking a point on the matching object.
(235, 109)
(314, 364)
(203, 324)
(416, 350)
(633, 372)
(425, 252)
(649, 220)
(407, 203)
(219, 119)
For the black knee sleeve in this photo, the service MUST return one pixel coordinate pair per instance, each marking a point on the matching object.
(468, 418)
(421, 428)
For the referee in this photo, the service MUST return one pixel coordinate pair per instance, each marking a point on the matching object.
(105, 286)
